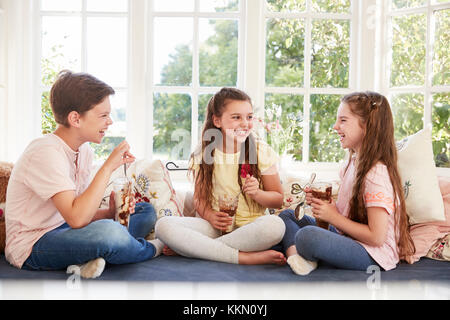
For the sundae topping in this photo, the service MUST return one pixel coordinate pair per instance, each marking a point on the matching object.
(246, 169)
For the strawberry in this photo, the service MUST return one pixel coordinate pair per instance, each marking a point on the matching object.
(245, 169)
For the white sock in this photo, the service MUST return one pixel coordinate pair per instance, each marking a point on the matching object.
(91, 269)
(158, 246)
(300, 265)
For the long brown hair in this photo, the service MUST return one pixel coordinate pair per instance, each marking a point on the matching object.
(212, 137)
(378, 145)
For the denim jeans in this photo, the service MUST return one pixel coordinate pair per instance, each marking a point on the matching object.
(104, 238)
(317, 244)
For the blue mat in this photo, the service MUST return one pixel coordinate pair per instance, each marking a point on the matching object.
(165, 268)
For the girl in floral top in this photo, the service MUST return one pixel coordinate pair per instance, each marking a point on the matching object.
(368, 222)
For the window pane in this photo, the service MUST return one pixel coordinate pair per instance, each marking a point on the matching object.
(173, 51)
(408, 50)
(330, 53)
(218, 52)
(441, 61)
(284, 52)
(398, 4)
(174, 5)
(335, 6)
(61, 46)
(103, 150)
(324, 145)
(61, 5)
(286, 6)
(408, 114)
(107, 5)
(118, 114)
(283, 123)
(107, 49)
(47, 120)
(441, 129)
(203, 100)
(172, 126)
(219, 5)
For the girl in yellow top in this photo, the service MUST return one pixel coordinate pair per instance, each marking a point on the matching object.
(230, 161)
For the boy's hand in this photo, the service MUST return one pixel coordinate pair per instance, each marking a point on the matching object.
(112, 205)
(120, 155)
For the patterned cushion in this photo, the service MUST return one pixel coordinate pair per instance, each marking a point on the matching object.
(151, 183)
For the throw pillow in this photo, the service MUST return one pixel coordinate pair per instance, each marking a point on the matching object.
(419, 178)
(150, 183)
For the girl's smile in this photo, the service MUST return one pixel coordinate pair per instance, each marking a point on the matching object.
(236, 122)
(348, 127)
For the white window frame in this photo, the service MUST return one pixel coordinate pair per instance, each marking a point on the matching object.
(142, 16)
(427, 89)
(84, 14)
(359, 56)
(368, 64)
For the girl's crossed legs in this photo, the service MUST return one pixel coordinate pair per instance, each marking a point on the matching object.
(196, 238)
(316, 244)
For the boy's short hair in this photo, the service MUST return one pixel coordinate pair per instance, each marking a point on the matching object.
(78, 92)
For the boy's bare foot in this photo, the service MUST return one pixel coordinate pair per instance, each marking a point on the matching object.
(168, 252)
(262, 257)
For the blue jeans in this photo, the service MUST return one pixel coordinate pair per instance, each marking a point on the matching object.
(317, 244)
(104, 238)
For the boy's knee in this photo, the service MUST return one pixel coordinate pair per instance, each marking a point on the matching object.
(111, 232)
(148, 211)
(286, 214)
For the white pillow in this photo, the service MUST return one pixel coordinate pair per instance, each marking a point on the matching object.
(150, 183)
(419, 178)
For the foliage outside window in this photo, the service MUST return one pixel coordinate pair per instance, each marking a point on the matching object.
(175, 100)
(412, 85)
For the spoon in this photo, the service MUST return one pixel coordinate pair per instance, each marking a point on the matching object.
(300, 205)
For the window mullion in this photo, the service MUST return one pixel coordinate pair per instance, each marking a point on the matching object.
(307, 84)
(84, 36)
(428, 66)
(139, 96)
(253, 60)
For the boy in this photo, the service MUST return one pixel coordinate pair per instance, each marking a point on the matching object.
(53, 220)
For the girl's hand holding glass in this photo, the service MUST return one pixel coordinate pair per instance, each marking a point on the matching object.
(219, 220)
(323, 210)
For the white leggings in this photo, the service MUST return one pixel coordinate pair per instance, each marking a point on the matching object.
(195, 237)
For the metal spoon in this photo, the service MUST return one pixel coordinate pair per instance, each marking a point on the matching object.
(300, 205)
